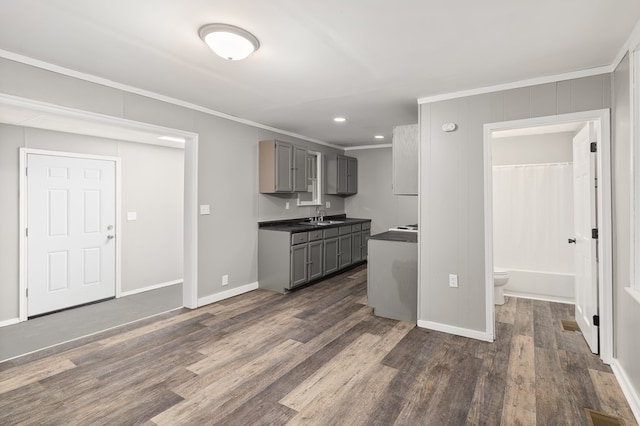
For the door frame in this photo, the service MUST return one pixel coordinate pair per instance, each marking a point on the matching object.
(30, 113)
(24, 241)
(603, 165)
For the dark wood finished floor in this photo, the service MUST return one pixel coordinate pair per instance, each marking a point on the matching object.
(316, 356)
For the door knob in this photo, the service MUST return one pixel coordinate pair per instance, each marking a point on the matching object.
(111, 237)
(572, 240)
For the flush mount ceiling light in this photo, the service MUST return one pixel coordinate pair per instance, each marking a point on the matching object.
(228, 41)
(339, 119)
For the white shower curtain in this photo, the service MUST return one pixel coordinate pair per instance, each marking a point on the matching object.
(533, 217)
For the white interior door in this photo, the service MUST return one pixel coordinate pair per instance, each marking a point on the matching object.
(71, 250)
(586, 267)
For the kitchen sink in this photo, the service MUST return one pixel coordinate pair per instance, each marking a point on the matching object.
(321, 223)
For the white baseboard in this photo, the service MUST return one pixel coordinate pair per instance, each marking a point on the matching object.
(212, 298)
(458, 331)
(151, 287)
(627, 388)
(9, 322)
(538, 297)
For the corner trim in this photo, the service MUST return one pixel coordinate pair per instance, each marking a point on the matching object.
(212, 298)
(627, 388)
(11, 321)
(151, 287)
(517, 84)
(130, 89)
(458, 331)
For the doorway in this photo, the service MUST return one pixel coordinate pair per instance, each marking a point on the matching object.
(600, 288)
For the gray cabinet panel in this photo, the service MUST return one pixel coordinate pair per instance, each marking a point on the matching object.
(344, 251)
(299, 169)
(341, 175)
(330, 255)
(356, 247)
(284, 154)
(298, 265)
(352, 175)
(316, 268)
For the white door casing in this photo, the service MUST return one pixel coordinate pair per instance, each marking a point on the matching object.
(71, 213)
(585, 219)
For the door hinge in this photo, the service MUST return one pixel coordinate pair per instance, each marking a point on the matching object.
(26, 292)
(594, 147)
(596, 320)
(594, 234)
(26, 171)
(26, 232)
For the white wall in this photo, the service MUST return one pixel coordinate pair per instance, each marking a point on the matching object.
(375, 199)
(152, 185)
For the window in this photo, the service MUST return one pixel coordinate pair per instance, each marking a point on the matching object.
(314, 167)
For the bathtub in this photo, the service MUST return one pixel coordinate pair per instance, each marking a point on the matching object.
(551, 286)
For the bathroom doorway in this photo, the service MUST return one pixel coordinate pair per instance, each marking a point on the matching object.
(530, 219)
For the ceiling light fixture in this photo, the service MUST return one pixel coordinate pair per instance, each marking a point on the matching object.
(339, 119)
(379, 136)
(228, 41)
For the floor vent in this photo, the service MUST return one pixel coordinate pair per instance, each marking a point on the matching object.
(595, 418)
(570, 325)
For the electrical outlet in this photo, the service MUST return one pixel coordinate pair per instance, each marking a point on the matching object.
(286, 205)
(328, 204)
(453, 280)
(225, 279)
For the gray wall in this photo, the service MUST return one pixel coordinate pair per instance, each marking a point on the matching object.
(151, 245)
(626, 309)
(375, 199)
(452, 201)
(533, 149)
(227, 162)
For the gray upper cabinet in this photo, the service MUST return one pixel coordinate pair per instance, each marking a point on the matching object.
(405, 159)
(341, 175)
(283, 167)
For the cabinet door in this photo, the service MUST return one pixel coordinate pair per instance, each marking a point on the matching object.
(330, 255)
(284, 156)
(298, 265)
(356, 247)
(316, 267)
(365, 243)
(299, 169)
(342, 174)
(344, 251)
(352, 175)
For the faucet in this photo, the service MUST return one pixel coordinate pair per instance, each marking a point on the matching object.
(320, 212)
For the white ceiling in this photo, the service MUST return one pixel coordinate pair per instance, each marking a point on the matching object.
(367, 60)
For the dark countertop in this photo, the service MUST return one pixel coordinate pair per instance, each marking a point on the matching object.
(293, 225)
(399, 236)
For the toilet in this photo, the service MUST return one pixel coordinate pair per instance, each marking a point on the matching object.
(500, 279)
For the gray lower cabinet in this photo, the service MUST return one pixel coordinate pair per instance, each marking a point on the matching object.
(287, 260)
(315, 264)
(344, 251)
(330, 255)
(299, 256)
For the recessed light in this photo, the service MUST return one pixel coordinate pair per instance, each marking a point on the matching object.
(379, 136)
(339, 119)
(228, 41)
(172, 139)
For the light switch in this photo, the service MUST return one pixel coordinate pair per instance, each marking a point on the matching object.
(205, 209)
(286, 205)
(328, 204)
(132, 216)
(453, 280)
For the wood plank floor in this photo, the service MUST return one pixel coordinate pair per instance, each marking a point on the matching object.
(316, 356)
